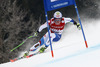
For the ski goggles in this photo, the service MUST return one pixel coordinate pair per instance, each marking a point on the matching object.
(57, 19)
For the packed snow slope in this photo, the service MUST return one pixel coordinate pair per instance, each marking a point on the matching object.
(70, 51)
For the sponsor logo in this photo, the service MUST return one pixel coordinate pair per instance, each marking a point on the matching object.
(60, 4)
(54, 0)
(57, 27)
(56, 31)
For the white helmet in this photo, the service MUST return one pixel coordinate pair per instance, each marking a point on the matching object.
(57, 14)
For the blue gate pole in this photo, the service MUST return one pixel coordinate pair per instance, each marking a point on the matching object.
(49, 33)
(80, 23)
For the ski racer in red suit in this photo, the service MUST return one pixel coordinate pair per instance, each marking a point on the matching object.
(56, 25)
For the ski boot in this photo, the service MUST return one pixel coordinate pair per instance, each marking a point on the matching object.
(26, 54)
(42, 49)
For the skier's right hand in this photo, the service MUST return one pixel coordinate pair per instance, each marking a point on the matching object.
(36, 33)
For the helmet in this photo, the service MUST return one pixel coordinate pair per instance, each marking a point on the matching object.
(57, 14)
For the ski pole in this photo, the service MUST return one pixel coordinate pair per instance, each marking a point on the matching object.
(21, 43)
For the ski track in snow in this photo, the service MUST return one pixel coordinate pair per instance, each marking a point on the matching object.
(56, 61)
(70, 51)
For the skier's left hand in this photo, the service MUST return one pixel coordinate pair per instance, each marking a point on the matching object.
(78, 26)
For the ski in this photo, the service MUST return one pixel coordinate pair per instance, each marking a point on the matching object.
(13, 60)
(16, 59)
(33, 54)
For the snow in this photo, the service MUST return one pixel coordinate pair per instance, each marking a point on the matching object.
(70, 51)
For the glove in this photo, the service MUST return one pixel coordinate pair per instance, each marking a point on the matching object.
(36, 33)
(26, 54)
(78, 26)
(42, 49)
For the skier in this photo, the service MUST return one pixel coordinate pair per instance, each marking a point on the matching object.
(56, 25)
